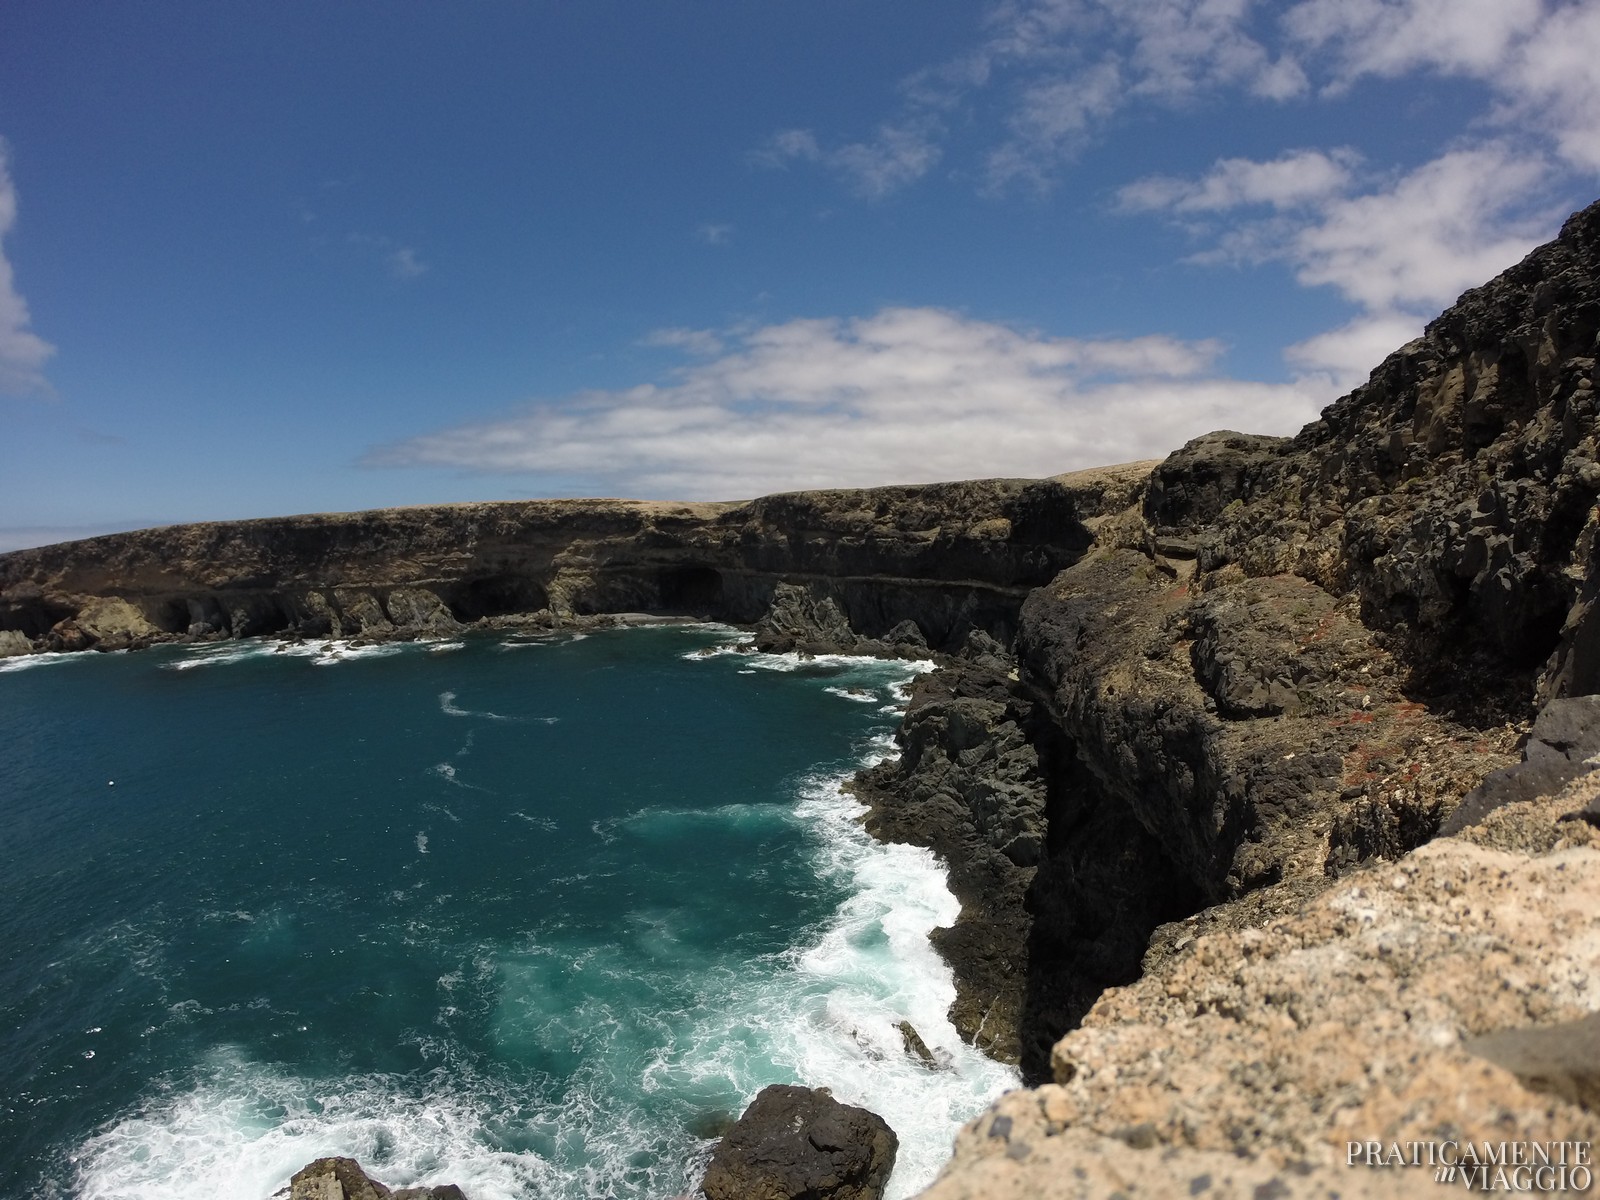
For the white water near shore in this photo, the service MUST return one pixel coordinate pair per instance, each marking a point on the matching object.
(822, 1013)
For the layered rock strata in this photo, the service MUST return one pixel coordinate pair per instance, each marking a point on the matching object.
(948, 557)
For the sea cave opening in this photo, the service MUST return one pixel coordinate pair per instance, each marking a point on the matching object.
(690, 589)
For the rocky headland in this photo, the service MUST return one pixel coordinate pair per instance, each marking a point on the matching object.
(1196, 730)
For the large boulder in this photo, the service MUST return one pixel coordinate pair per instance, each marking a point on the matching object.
(796, 1143)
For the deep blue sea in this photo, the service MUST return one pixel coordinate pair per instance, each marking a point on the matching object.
(526, 915)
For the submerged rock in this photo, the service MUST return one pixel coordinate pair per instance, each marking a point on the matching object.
(796, 1143)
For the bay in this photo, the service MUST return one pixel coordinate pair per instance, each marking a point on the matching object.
(528, 915)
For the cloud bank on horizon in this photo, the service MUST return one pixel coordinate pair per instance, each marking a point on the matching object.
(904, 395)
(917, 245)
(911, 393)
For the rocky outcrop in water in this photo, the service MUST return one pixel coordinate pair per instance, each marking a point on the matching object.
(796, 1143)
(343, 1179)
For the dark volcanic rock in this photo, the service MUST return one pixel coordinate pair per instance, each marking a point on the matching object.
(796, 1143)
(800, 618)
(1566, 737)
(968, 785)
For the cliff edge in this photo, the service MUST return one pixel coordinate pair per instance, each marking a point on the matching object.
(1236, 686)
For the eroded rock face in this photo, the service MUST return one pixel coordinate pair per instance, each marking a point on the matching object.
(343, 1179)
(968, 785)
(796, 1143)
(1377, 1010)
(911, 565)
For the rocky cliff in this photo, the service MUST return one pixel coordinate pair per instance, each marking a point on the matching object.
(1289, 663)
(1218, 685)
(950, 557)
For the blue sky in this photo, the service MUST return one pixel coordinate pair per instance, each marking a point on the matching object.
(262, 258)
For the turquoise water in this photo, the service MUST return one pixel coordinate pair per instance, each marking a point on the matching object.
(527, 916)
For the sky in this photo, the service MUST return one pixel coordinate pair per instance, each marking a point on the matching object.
(264, 258)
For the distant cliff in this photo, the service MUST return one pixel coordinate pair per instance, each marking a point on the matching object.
(952, 557)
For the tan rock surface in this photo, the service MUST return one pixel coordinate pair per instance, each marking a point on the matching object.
(1256, 1055)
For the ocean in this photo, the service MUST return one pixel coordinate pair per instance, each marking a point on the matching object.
(535, 916)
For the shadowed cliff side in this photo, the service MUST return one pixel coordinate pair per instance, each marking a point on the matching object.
(1289, 664)
(1287, 657)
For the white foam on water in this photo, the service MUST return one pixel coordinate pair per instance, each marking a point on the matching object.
(339, 652)
(422, 843)
(218, 654)
(548, 824)
(827, 1013)
(23, 662)
(447, 705)
(858, 695)
(524, 643)
(447, 772)
(871, 968)
(446, 647)
(245, 1128)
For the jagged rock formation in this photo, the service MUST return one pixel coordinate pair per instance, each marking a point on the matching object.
(1296, 657)
(343, 1179)
(796, 1143)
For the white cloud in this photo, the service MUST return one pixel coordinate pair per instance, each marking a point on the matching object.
(1345, 356)
(1537, 57)
(905, 394)
(404, 263)
(713, 233)
(1448, 225)
(1296, 179)
(694, 341)
(899, 154)
(1552, 80)
(23, 353)
(1055, 118)
(1400, 250)
(1392, 37)
(1054, 75)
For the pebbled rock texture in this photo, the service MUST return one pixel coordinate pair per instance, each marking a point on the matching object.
(343, 1179)
(796, 1143)
(1417, 1000)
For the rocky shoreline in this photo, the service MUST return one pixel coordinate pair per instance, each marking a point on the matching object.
(1197, 727)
